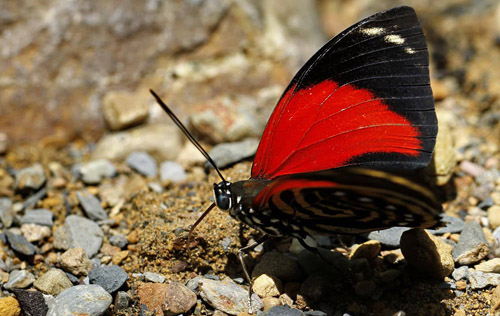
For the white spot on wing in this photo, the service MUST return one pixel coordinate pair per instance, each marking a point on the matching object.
(390, 207)
(365, 199)
(410, 50)
(339, 193)
(394, 39)
(372, 31)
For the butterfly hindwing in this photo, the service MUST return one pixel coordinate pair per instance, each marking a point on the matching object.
(347, 200)
(363, 99)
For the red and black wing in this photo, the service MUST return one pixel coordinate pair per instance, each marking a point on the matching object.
(346, 200)
(363, 99)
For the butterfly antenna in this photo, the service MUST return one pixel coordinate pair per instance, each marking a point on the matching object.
(187, 133)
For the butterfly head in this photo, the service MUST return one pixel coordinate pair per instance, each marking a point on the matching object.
(223, 195)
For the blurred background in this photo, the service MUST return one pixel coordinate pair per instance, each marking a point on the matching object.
(80, 69)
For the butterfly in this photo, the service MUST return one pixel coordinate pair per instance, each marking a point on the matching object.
(340, 149)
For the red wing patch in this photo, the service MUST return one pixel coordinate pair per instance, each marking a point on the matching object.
(326, 125)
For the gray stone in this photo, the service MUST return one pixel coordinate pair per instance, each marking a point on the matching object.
(95, 171)
(388, 237)
(111, 278)
(38, 216)
(30, 178)
(278, 265)
(60, 240)
(32, 303)
(227, 296)
(226, 154)
(472, 245)
(332, 264)
(283, 311)
(154, 277)
(453, 225)
(91, 300)
(82, 232)
(19, 279)
(34, 198)
(118, 240)
(122, 301)
(178, 299)
(53, 282)
(172, 171)
(479, 280)
(460, 273)
(20, 244)
(92, 206)
(143, 163)
(6, 212)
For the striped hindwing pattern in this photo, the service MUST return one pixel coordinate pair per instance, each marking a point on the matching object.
(346, 201)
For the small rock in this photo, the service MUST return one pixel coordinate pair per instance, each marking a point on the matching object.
(95, 171)
(453, 225)
(119, 257)
(283, 311)
(492, 265)
(92, 206)
(32, 303)
(444, 157)
(172, 171)
(495, 297)
(152, 296)
(111, 278)
(53, 282)
(190, 155)
(76, 261)
(427, 253)
(122, 109)
(278, 265)
(178, 299)
(38, 216)
(227, 296)
(472, 245)
(388, 237)
(122, 301)
(389, 276)
(494, 216)
(19, 279)
(368, 250)
(265, 286)
(270, 302)
(479, 280)
(332, 264)
(60, 241)
(471, 168)
(9, 306)
(226, 154)
(143, 163)
(154, 277)
(82, 232)
(6, 212)
(315, 287)
(193, 283)
(34, 232)
(20, 244)
(365, 289)
(460, 273)
(4, 143)
(30, 179)
(89, 300)
(119, 241)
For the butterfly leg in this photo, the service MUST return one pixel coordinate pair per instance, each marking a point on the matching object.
(241, 253)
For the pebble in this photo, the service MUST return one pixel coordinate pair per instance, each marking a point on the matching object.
(283, 311)
(315, 287)
(226, 154)
(479, 280)
(20, 244)
(93, 172)
(453, 225)
(471, 168)
(388, 237)
(53, 282)
(444, 157)
(193, 283)
(60, 240)
(38, 216)
(19, 279)
(33, 199)
(154, 277)
(34, 232)
(460, 273)
(75, 261)
(143, 163)
(494, 216)
(122, 109)
(265, 286)
(178, 299)
(368, 250)
(492, 265)
(495, 296)
(270, 302)
(365, 288)
(6, 212)
(82, 232)
(427, 253)
(119, 241)
(32, 303)
(92, 206)
(227, 296)
(278, 265)
(335, 266)
(122, 301)
(172, 171)
(472, 245)
(4, 143)
(9, 306)
(88, 300)
(30, 179)
(152, 296)
(111, 278)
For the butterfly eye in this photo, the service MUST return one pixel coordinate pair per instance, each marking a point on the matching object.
(223, 200)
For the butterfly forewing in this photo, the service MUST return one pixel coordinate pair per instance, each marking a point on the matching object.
(363, 99)
(347, 200)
